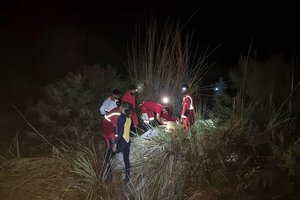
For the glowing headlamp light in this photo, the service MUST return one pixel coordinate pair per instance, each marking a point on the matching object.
(165, 100)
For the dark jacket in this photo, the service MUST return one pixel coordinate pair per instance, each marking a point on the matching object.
(124, 125)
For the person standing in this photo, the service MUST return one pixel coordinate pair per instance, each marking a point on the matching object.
(187, 112)
(130, 97)
(111, 117)
(122, 141)
(109, 104)
(108, 131)
(220, 87)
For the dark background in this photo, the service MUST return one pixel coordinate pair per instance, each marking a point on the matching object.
(42, 40)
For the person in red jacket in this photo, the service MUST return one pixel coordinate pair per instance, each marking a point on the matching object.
(130, 97)
(110, 119)
(154, 113)
(187, 112)
(109, 104)
(151, 110)
(166, 114)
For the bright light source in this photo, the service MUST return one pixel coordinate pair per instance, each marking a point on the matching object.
(216, 89)
(183, 89)
(140, 87)
(165, 100)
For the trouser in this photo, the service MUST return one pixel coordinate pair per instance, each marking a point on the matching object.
(189, 120)
(108, 155)
(125, 149)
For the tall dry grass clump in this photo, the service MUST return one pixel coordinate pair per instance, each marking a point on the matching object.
(74, 172)
(164, 61)
(159, 170)
(235, 158)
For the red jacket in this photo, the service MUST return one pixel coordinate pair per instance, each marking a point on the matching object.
(166, 114)
(109, 124)
(187, 105)
(151, 106)
(187, 113)
(112, 116)
(148, 108)
(127, 97)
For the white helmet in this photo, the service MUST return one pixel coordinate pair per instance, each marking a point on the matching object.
(140, 87)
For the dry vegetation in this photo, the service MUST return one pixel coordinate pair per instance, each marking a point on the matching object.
(164, 61)
(73, 172)
(232, 157)
(235, 159)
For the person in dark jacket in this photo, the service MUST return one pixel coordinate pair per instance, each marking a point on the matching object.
(122, 141)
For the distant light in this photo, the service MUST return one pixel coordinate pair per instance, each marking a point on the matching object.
(216, 89)
(165, 100)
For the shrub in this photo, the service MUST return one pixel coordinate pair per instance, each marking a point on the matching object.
(70, 106)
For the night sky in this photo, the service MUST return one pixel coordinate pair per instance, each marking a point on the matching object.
(42, 40)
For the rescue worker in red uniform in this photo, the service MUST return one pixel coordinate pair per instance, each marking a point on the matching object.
(109, 106)
(111, 118)
(187, 112)
(166, 114)
(151, 110)
(130, 97)
(154, 113)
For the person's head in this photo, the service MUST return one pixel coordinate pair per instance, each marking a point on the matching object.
(140, 87)
(116, 94)
(165, 110)
(132, 89)
(125, 108)
(118, 103)
(184, 88)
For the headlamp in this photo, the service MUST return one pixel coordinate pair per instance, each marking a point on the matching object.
(165, 100)
(140, 87)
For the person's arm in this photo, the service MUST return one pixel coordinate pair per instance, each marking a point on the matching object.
(159, 118)
(183, 112)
